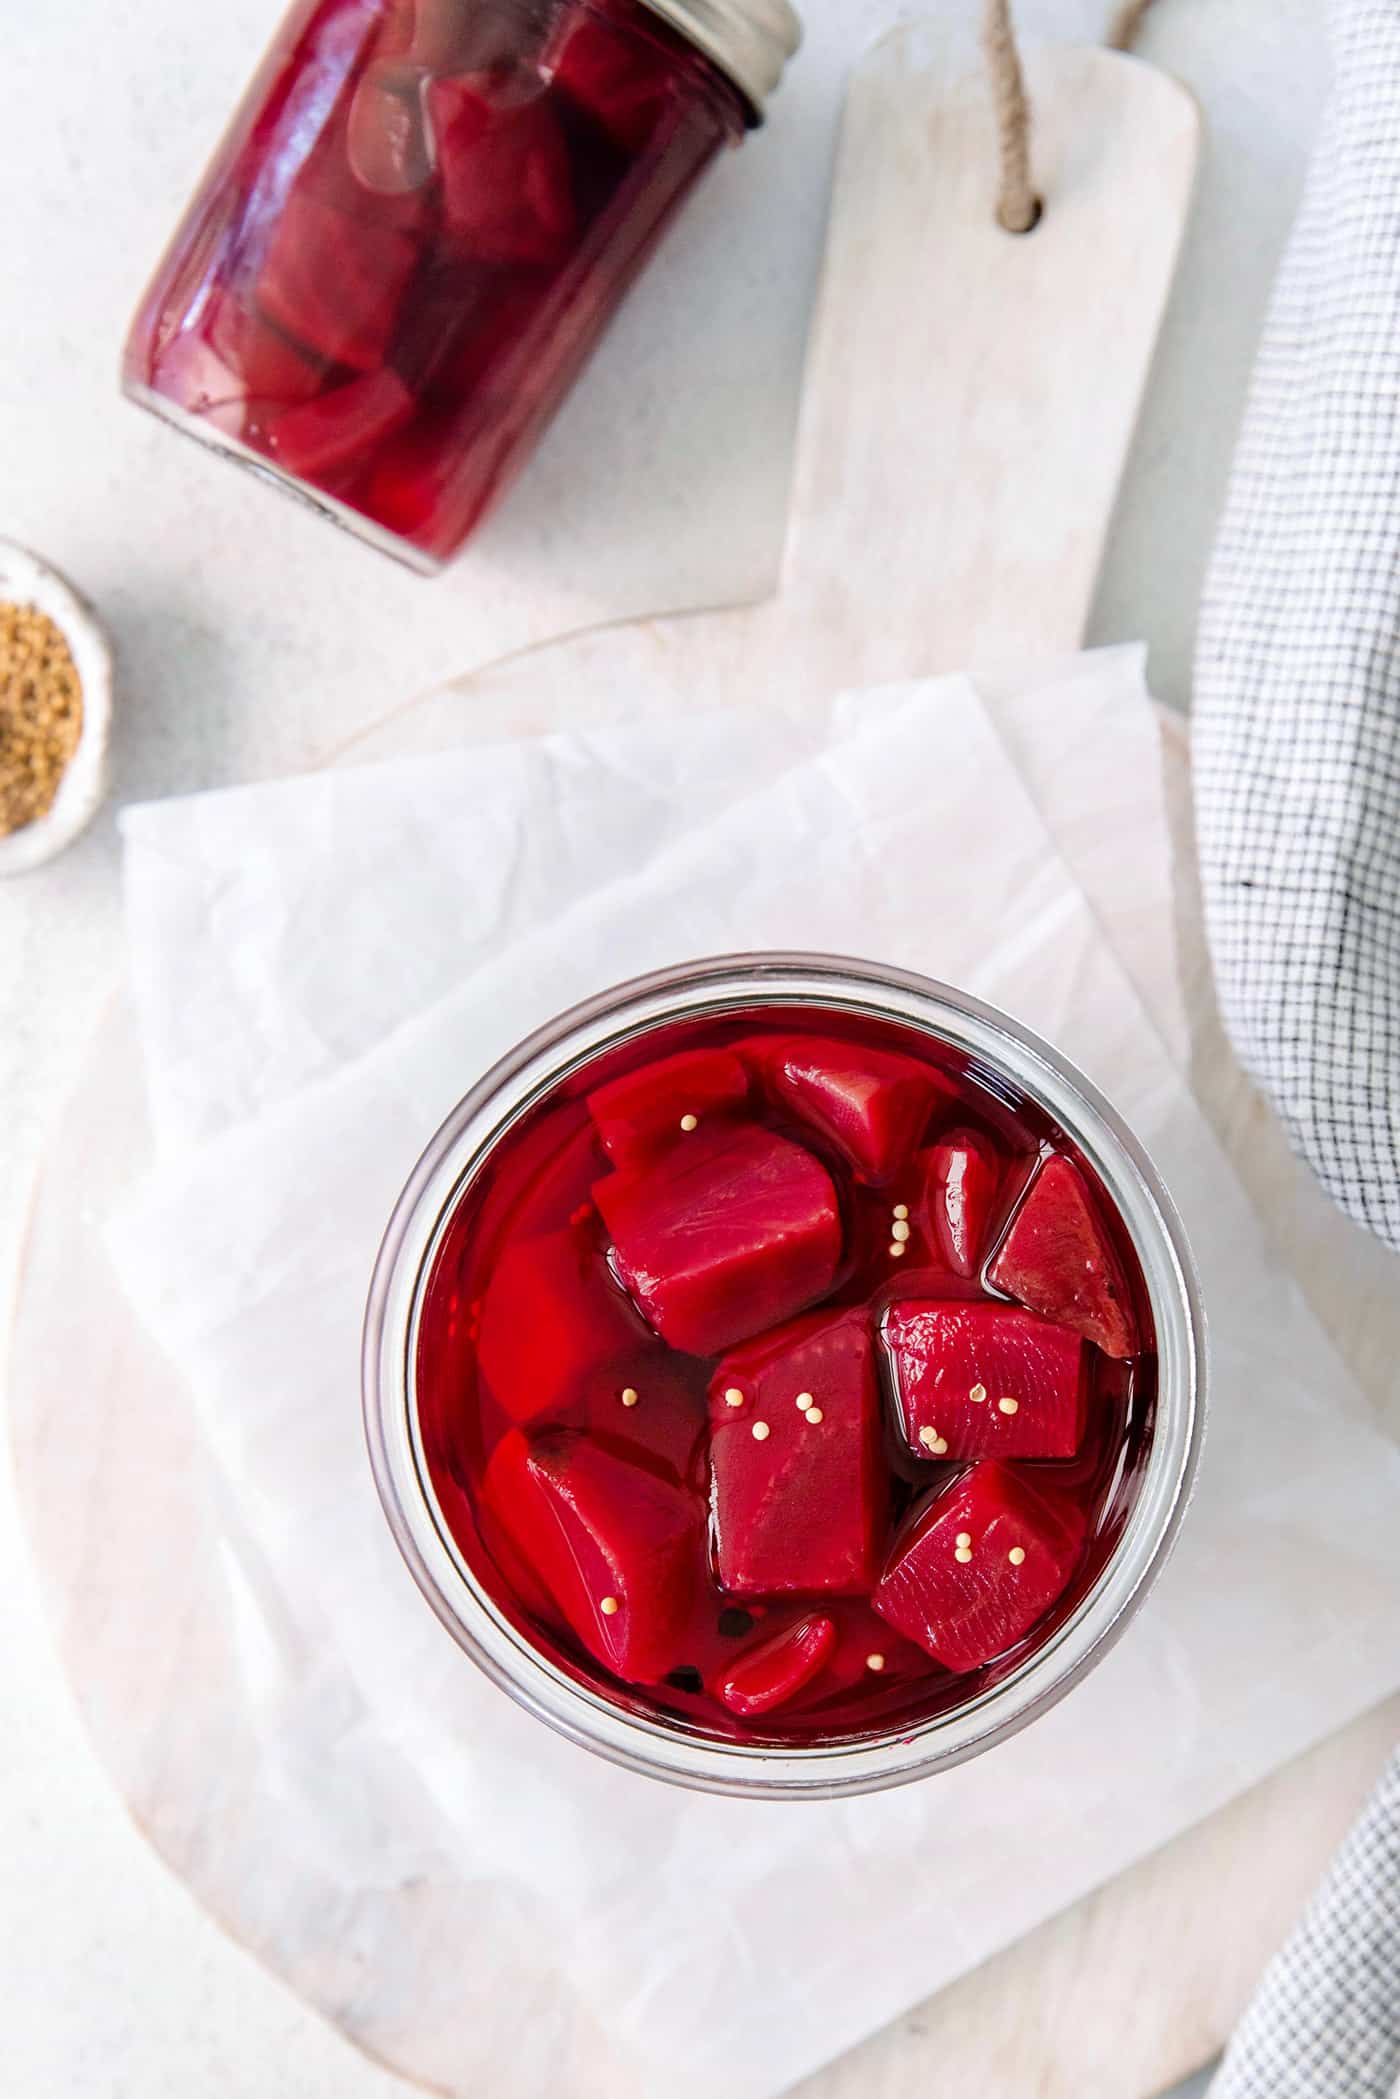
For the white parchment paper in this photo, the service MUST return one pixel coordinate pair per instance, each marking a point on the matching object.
(323, 967)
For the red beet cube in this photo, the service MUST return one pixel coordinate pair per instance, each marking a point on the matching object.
(509, 1516)
(667, 1425)
(333, 280)
(622, 80)
(506, 187)
(663, 1435)
(551, 1172)
(187, 370)
(648, 1407)
(977, 1565)
(963, 1179)
(620, 1550)
(449, 36)
(395, 33)
(1058, 1259)
(979, 1380)
(271, 369)
(551, 1318)
(738, 1231)
(404, 489)
(657, 1108)
(772, 1674)
(386, 134)
(231, 366)
(327, 435)
(463, 336)
(798, 1489)
(872, 1104)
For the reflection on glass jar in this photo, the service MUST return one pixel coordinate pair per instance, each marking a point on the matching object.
(417, 228)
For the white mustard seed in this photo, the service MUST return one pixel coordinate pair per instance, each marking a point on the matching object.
(815, 1416)
(901, 1211)
(610, 1607)
(1009, 1406)
(963, 1555)
(630, 1395)
(733, 1397)
(689, 1123)
(761, 1432)
(1016, 1555)
(977, 1394)
(875, 1662)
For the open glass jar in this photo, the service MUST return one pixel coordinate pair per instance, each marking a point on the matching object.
(416, 229)
(513, 1239)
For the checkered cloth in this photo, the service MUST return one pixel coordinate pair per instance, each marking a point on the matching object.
(1296, 746)
(1297, 712)
(1326, 2021)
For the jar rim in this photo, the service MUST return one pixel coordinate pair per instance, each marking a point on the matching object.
(669, 1750)
(750, 40)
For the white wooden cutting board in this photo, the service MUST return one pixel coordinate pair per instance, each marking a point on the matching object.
(968, 407)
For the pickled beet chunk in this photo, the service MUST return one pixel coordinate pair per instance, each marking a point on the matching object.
(451, 36)
(408, 489)
(552, 1318)
(985, 1380)
(977, 1565)
(772, 1674)
(394, 36)
(553, 1172)
(468, 320)
(872, 1104)
(657, 1108)
(649, 1407)
(963, 1178)
(515, 1521)
(1058, 1259)
(620, 77)
(232, 354)
(516, 1528)
(506, 188)
(387, 145)
(461, 36)
(736, 1232)
(328, 435)
(619, 1549)
(798, 1489)
(333, 281)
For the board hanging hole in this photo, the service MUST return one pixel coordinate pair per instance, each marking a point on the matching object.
(1018, 208)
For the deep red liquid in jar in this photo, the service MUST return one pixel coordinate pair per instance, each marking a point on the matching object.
(526, 1331)
(419, 224)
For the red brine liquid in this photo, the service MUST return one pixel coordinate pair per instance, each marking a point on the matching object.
(414, 233)
(786, 1375)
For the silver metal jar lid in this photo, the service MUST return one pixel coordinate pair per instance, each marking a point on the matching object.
(750, 40)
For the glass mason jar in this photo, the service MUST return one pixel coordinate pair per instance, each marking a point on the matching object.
(416, 229)
(1149, 1495)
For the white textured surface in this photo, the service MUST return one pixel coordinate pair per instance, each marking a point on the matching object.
(250, 639)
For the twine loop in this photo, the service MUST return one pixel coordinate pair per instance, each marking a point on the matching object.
(1019, 207)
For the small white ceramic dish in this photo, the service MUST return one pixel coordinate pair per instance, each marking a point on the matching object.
(25, 580)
